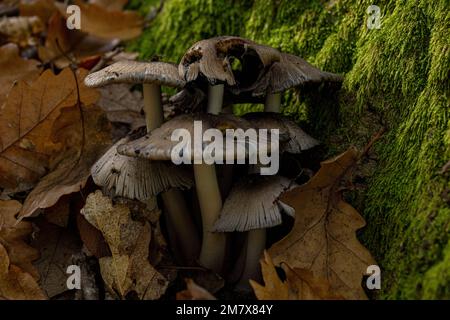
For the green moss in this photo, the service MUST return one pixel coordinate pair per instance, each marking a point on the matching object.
(399, 74)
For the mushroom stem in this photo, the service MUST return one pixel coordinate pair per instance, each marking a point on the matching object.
(178, 216)
(215, 98)
(208, 193)
(273, 102)
(256, 243)
(184, 231)
(154, 115)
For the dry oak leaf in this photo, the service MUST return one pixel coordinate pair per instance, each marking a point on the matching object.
(13, 235)
(57, 246)
(26, 121)
(40, 8)
(14, 68)
(122, 105)
(194, 292)
(62, 42)
(300, 284)
(16, 284)
(70, 169)
(107, 24)
(113, 5)
(128, 269)
(323, 239)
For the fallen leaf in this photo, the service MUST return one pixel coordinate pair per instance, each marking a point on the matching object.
(92, 238)
(300, 284)
(26, 121)
(21, 30)
(16, 284)
(323, 239)
(122, 105)
(113, 5)
(62, 43)
(128, 269)
(72, 169)
(59, 213)
(13, 236)
(57, 246)
(40, 8)
(304, 285)
(274, 288)
(15, 68)
(194, 292)
(107, 24)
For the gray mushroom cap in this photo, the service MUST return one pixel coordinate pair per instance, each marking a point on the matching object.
(292, 138)
(291, 71)
(253, 204)
(161, 73)
(137, 178)
(211, 58)
(158, 144)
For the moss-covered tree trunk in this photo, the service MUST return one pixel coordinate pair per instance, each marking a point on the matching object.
(396, 76)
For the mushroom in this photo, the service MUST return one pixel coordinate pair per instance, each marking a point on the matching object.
(292, 138)
(152, 75)
(158, 145)
(211, 60)
(254, 216)
(289, 72)
(136, 178)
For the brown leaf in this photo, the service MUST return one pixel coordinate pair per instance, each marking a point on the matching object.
(26, 121)
(113, 5)
(122, 105)
(59, 213)
(71, 172)
(274, 288)
(14, 68)
(92, 238)
(13, 235)
(57, 246)
(128, 268)
(303, 285)
(62, 42)
(16, 284)
(323, 239)
(194, 292)
(40, 8)
(300, 284)
(107, 24)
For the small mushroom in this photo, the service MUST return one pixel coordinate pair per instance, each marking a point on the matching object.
(292, 138)
(289, 72)
(254, 216)
(211, 60)
(136, 178)
(151, 74)
(159, 146)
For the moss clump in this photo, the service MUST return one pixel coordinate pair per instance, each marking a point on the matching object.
(399, 74)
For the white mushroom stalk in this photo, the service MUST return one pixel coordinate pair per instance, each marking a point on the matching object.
(273, 102)
(212, 251)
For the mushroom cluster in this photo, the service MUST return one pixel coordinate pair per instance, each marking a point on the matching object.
(213, 73)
